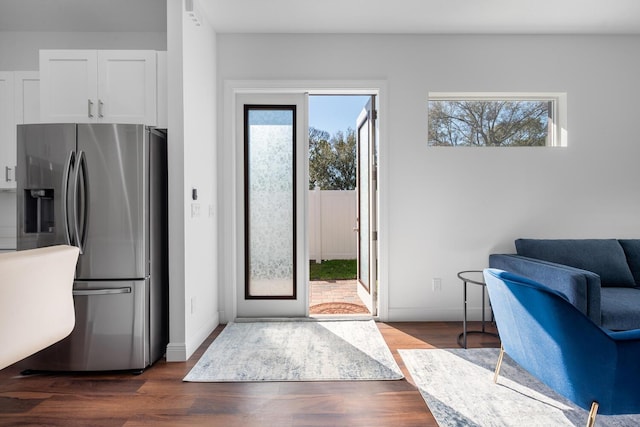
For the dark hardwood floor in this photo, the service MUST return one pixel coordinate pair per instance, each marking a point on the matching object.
(158, 396)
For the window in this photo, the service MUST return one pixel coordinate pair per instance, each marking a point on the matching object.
(270, 200)
(496, 120)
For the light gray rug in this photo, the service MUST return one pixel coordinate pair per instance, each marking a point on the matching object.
(297, 351)
(457, 385)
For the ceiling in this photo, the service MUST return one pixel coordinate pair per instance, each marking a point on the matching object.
(334, 16)
(425, 16)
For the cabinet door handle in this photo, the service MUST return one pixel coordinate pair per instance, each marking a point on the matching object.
(89, 108)
(7, 169)
(100, 105)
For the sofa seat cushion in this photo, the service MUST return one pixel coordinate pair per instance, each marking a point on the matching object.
(605, 257)
(620, 308)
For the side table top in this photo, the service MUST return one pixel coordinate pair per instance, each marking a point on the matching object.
(472, 276)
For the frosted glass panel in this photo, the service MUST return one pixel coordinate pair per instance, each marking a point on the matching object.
(270, 257)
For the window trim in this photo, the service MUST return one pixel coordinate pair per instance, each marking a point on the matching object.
(558, 136)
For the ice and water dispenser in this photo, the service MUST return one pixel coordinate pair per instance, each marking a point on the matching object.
(38, 210)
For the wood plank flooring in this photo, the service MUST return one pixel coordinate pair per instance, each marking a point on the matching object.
(158, 397)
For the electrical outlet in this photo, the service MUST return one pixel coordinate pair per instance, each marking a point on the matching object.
(436, 284)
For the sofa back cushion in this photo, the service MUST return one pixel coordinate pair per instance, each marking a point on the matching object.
(631, 249)
(605, 257)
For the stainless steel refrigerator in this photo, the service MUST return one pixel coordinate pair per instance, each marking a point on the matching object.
(102, 188)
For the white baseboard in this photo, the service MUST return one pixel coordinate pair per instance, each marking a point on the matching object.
(435, 315)
(176, 352)
(181, 352)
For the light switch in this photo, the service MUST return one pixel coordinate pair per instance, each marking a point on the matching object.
(195, 210)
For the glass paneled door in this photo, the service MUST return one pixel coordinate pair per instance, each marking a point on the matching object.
(274, 145)
(367, 218)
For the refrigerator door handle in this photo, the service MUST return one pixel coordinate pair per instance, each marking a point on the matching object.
(85, 292)
(65, 198)
(81, 166)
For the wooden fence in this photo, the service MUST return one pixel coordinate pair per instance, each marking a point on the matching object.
(332, 217)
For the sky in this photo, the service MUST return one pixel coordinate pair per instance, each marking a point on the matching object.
(334, 113)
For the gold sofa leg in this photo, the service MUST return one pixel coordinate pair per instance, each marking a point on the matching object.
(497, 372)
(591, 421)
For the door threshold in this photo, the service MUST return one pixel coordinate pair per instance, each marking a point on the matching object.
(314, 318)
(342, 317)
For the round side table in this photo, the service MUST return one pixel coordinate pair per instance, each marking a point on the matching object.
(475, 277)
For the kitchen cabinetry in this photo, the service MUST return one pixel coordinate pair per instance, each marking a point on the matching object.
(103, 86)
(163, 89)
(7, 132)
(26, 97)
(19, 104)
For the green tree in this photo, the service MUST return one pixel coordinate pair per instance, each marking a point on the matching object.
(320, 158)
(488, 123)
(332, 160)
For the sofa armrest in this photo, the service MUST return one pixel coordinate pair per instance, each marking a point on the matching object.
(630, 335)
(580, 287)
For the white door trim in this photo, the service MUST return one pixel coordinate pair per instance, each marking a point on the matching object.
(230, 170)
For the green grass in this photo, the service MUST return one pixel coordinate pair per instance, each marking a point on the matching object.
(333, 269)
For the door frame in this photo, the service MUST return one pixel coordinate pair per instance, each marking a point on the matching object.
(231, 188)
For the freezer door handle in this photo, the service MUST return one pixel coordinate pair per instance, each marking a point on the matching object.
(65, 198)
(113, 291)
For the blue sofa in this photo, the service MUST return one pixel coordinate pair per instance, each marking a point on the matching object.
(600, 277)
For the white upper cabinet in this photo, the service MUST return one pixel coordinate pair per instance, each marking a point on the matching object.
(127, 86)
(108, 86)
(68, 86)
(7, 132)
(27, 97)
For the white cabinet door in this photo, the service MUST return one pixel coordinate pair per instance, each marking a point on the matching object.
(7, 132)
(27, 97)
(68, 86)
(127, 86)
(162, 90)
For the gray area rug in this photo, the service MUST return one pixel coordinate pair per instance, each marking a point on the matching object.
(457, 385)
(297, 351)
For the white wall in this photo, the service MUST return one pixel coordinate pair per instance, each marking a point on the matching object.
(19, 50)
(201, 290)
(192, 159)
(448, 209)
